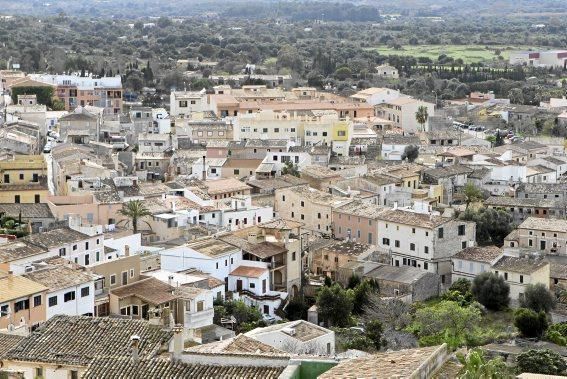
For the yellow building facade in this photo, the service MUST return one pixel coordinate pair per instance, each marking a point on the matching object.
(23, 179)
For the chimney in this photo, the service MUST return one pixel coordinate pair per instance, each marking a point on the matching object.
(204, 168)
(252, 238)
(395, 205)
(170, 280)
(134, 348)
(127, 250)
(177, 341)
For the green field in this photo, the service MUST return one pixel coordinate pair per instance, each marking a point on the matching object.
(468, 53)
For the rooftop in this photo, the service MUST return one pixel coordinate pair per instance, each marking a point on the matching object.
(18, 249)
(249, 272)
(241, 344)
(55, 238)
(151, 290)
(319, 197)
(505, 201)
(448, 171)
(78, 340)
(525, 265)
(29, 210)
(398, 139)
(537, 223)
(225, 185)
(479, 254)
(59, 277)
(304, 331)
(8, 341)
(347, 247)
(211, 247)
(15, 286)
(403, 274)
(361, 209)
(319, 172)
(395, 364)
(411, 218)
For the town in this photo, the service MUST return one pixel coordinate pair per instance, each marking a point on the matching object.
(262, 224)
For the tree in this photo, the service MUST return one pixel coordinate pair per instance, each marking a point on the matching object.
(541, 362)
(134, 210)
(411, 152)
(557, 333)
(529, 323)
(290, 169)
(353, 281)
(335, 306)
(445, 322)
(499, 141)
(392, 313)
(374, 333)
(491, 290)
(472, 194)
(342, 73)
(463, 286)
(516, 96)
(421, 116)
(359, 296)
(475, 366)
(538, 298)
(492, 225)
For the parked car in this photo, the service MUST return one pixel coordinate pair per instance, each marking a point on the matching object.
(268, 319)
(47, 148)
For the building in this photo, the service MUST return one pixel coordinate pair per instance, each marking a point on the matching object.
(408, 283)
(22, 302)
(386, 71)
(23, 179)
(356, 221)
(519, 272)
(183, 103)
(394, 146)
(375, 96)
(472, 261)
(70, 290)
(75, 91)
(551, 58)
(522, 208)
(318, 177)
(297, 337)
(253, 285)
(309, 206)
(328, 259)
(547, 236)
(37, 215)
(424, 241)
(402, 112)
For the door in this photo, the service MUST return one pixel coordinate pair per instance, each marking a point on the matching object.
(238, 285)
(267, 309)
(542, 245)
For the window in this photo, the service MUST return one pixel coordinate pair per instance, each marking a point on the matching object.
(302, 217)
(236, 171)
(36, 199)
(69, 296)
(37, 300)
(341, 133)
(386, 241)
(302, 203)
(17, 199)
(62, 252)
(440, 233)
(521, 278)
(426, 249)
(87, 259)
(461, 230)
(463, 244)
(293, 256)
(4, 310)
(200, 306)
(425, 265)
(85, 291)
(21, 305)
(397, 243)
(135, 310)
(112, 279)
(53, 301)
(74, 247)
(413, 230)
(39, 372)
(412, 246)
(183, 104)
(505, 276)
(217, 265)
(530, 242)
(86, 245)
(370, 238)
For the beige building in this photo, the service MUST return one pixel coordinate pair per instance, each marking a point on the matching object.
(402, 112)
(22, 302)
(519, 272)
(309, 206)
(327, 260)
(386, 71)
(548, 236)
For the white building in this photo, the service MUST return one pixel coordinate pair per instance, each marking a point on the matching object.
(376, 96)
(394, 145)
(387, 71)
(198, 310)
(472, 261)
(190, 278)
(70, 288)
(297, 337)
(183, 103)
(401, 112)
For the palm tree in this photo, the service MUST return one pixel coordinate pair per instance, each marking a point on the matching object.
(421, 116)
(134, 210)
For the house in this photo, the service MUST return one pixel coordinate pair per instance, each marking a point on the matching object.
(394, 145)
(22, 302)
(329, 258)
(402, 112)
(309, 206)
(521, 208)
(190, 278)
(423, 241)
(474, 260)
(66, 345)
(386, 71)
(226, 188)
(551, 58)
(23, 179)
(70, 291)
(319, 177)
(556, 165)
(252, 284)
(421, 362)
(297, 337)
(547, 236)
(356, 221)
(453, 179)
(374, 95)
(405, 282)
(456, 155)
(519, 272)
(80, 127)
(556, 191)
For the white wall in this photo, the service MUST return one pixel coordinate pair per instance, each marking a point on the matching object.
(79, 306)
(182, 257)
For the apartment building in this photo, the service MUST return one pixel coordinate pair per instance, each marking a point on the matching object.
(424, 241)
(309, 206)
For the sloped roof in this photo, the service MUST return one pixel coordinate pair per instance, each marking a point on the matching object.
(479, 253)
(151, 290)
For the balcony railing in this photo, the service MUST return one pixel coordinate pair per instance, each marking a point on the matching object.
(259, 297)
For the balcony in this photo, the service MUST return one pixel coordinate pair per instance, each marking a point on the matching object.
(269, 296)
(195, 320)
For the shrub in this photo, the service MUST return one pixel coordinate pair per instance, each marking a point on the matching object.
(530, 323)
(557, 333)
(462, 286)
(538, 298)
(491, 291)
(374, 333)
(541, 362)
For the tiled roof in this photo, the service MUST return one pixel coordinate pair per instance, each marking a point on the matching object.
(526, 265)
(261, 249)
(151, 290)
(225, 185)
(558, 270)
(347, 247)
(29, 210)
(397, 139)
(319, 172)
(403, 274)
(542, 188)
(8, 341)
(59, 277)
(77, 340)
(448, 171)
(396, 364)
(505, 201)
(15, 286)
(479, 254)
(12, 251)
(411, 218)
(241, 344)
(248, 271)
(544, 224)
(55, 237)
(211, 247)
(360, 208)
(159, 368)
